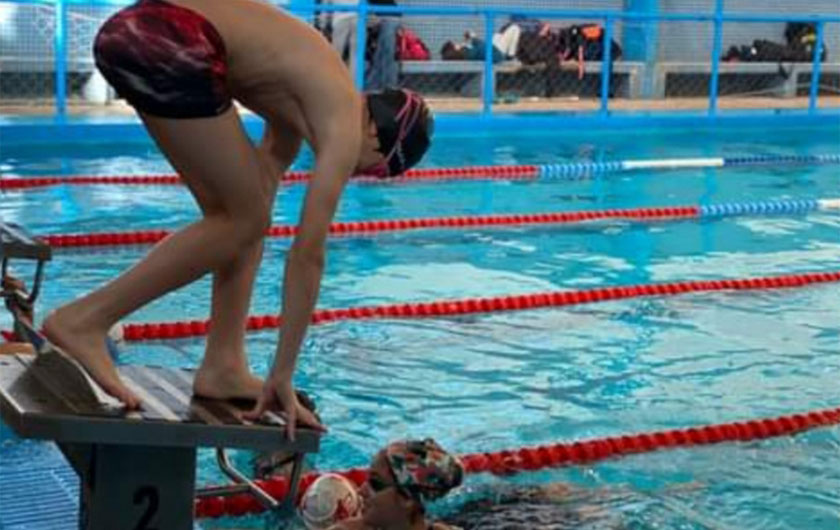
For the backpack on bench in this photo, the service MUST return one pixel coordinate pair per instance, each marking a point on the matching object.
(410, 47)
(801, 41)
(586, 42)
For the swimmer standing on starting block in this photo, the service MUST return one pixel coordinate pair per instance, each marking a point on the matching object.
(181, 63)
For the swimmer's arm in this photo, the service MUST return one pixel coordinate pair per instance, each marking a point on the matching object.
(305, 260)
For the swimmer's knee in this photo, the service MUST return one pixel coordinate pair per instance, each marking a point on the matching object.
(239, 231)
(252, 225)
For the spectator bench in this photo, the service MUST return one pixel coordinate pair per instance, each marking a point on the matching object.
(636, 73)
(786, 89)
(474, 70)
(473, 85)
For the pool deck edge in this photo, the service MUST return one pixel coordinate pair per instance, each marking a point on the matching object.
(29, 130)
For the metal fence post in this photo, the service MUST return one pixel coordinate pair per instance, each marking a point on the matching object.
(60, 49)
(361, 45)
(489, 89)
(716, 51)
(816, 71)
(606, 66)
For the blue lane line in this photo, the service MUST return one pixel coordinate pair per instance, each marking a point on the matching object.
(759, 208)
(582, 169)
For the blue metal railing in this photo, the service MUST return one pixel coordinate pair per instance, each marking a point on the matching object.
(609, 19)
(61, 60)
(606, 65)
(717, 49)
(817, 68)
(361, 43)
(489, 74)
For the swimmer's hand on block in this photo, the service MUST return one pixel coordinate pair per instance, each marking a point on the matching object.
(53, 366)
(275, 419)
(272, 418)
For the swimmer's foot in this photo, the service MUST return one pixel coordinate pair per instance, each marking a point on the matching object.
(226, 383)
(88, 348)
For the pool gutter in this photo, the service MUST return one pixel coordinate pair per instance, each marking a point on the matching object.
(29, 130)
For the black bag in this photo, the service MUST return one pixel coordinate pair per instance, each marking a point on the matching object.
(761, 51)
(589, 39)
(801, 39)
(766, 51)
(537, 46)
(797, 33)
(773, 52)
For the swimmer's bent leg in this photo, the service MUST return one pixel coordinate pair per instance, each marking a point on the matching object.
(215, 156)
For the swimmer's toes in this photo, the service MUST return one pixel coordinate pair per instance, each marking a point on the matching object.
(125, 395)
(88, 348)
(113, 386)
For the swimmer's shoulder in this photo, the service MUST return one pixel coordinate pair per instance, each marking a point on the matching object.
(553, 492)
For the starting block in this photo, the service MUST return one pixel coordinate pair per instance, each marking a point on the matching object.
(137, 468)
(16, 243)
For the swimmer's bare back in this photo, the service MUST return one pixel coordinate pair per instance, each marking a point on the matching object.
(282, 69)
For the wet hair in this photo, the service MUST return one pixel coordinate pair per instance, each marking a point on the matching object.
(404, 127)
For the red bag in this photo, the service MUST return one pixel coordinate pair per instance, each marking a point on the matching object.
(410, 47)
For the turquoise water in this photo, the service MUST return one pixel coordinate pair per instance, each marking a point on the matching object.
(493, 382)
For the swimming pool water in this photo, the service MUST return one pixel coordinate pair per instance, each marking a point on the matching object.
(492, 382)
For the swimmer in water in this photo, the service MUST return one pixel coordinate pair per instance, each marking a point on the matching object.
(552, 506)
(402, 477)
(181, 64)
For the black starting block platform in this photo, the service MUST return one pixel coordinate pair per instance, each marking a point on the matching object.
(137, 468)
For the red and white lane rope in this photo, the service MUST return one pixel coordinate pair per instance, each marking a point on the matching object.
(355, 228)
(517, 172)
(559, 455)
(561, 171)
(198, 328)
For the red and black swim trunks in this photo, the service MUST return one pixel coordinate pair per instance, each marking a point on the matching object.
(165, 60)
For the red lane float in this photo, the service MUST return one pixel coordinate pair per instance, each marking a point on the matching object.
(197, 328)
(561, 454)
(395, 225)
(292, 177)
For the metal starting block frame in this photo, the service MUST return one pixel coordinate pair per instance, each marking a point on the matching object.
(137, 468)
(16, 243)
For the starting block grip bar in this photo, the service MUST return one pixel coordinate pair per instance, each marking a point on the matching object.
(16, 243)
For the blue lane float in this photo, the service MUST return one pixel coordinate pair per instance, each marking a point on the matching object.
(585, 169)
